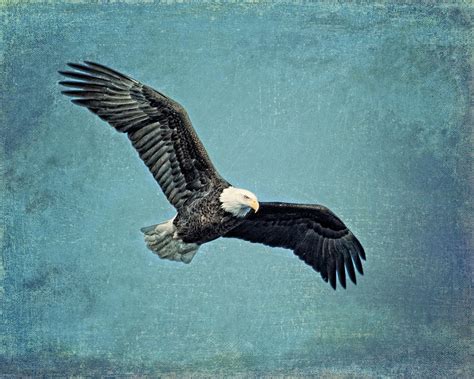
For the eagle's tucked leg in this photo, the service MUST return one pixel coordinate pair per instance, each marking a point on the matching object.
(163, 241)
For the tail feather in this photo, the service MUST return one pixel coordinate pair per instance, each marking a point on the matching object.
(148, 229)
(163, 241)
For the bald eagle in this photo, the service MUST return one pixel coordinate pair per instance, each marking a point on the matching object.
(208, 207)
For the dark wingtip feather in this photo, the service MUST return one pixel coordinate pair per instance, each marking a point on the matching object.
(107, 69)
(359, 246)
(85, 86)
(77, 66)
(358, 263)
(80, 76)
(339, 258)
(75, 93)
(341, 273)
(68, 74)
(350, 269)
(323, 256)
(81, 102)
(67, 93)
(343, 284)
(332, 272)
(71, 83)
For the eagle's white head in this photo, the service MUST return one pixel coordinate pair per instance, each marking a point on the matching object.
(238, 201)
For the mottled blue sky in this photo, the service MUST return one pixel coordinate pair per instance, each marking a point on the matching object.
(364, 109)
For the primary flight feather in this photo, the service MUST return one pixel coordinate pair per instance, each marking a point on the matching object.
(208, 207)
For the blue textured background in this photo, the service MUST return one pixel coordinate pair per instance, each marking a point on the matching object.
(362, 108)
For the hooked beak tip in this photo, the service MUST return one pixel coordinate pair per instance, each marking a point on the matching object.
(255, 206)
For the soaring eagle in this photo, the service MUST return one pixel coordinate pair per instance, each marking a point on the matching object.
(208, 207)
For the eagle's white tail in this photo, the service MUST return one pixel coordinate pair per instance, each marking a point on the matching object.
(162, 239)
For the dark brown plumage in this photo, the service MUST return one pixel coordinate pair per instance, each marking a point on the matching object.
(158, 127)
(313, 232)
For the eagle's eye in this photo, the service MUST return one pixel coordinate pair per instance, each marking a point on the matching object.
(246, 197)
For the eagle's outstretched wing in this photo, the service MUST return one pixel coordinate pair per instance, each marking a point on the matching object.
(158, 127)
(313, 232)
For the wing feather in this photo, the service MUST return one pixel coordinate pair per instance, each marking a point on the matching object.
(315, 234)
(158, 127)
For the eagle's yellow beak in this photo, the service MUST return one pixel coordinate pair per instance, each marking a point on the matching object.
(254, 205)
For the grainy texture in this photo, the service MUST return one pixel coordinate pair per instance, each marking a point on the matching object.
(364, 109)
